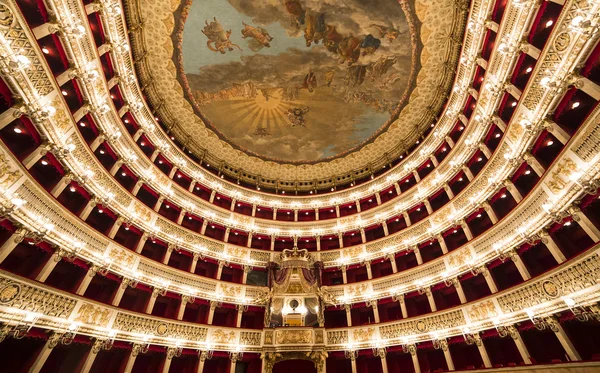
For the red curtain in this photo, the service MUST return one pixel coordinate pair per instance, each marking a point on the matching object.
(295, 366)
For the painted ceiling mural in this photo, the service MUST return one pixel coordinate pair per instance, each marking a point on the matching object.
(298, 80)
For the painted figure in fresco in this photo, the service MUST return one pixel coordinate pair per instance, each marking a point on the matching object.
(380, 67)
(262, 132)
(332, 39)
(387, 32)
(314, 27)
(369, 45)
(356, 75)
(310, 81)
(259, 37)
(218, 38)
(329, 77)
(297, 13)
(349, 49)
(296, 116)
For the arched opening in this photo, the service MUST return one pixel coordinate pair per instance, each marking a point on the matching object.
(295, 366)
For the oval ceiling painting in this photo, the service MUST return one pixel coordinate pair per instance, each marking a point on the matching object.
(298, 80)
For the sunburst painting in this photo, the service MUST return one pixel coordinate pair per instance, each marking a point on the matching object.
(298, 80)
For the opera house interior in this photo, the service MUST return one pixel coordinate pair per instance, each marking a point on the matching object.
(299, 186)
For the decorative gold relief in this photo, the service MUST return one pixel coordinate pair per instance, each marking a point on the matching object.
(562, 41)
(230, 290)
(515, 132)
(61, 119)
(284, 337)
(319, 337)
(550, 288)
(482, 311)
(559, 178)
(363, 335)
(162, 329)
(9, 293)
(237, 252)
(354, 252)
(349, 220)
(6, 17)
(358, 290)
(440, 218)
(122, 257)
(220, 336)
(93, 315)
(244, 220)
(268, 337)
(8, 176)
(459, 259)
(142, 212)
(421, 326)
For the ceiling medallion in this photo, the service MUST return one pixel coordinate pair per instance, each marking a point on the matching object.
(297, 81)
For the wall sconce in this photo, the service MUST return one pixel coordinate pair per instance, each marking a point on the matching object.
(105, 343)
(539, 323)
(207, 353)
(237, 354)
(379, 350)
(20, 328)
(580, 312)
(408, 348)
(69, 334)
(470, 338)
(174, 351)
(504, 330)
(350, 352)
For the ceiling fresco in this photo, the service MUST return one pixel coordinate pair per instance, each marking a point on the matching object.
(298, 80)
